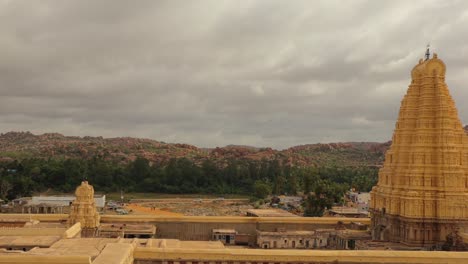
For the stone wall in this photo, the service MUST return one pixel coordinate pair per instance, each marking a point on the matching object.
(39, 231)
(116, 253)
(50, 259)
(200, 228)
(258, 256)
(73, 231)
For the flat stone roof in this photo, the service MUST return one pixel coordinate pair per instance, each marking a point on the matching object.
(177, 244)
(301, 256)
(347, 210)
(82, 249)
(270, 213)
(287, 233)
(198, 219)
(13, 220)
(50, 225)
(28, 241)
(115, 253)
(354, 234)
(224, 231)
(75, 246)
(384, 245)
(147, 228)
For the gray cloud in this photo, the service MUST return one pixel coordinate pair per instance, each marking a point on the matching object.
(212, 72)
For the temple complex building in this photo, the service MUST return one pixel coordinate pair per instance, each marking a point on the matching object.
(298, 239)
(422, 192)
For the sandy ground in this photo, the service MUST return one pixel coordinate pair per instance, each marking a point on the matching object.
(175, 207)
(139, 209)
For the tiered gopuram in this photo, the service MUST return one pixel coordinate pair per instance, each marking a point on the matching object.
(83, 209)
(422, 191)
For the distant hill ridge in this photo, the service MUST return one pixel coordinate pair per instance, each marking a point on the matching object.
(19, 145)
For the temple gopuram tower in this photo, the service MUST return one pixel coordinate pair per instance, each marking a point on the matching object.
(83, 210)
(422, 192)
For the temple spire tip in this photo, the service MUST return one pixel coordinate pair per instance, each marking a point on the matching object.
(428, 53)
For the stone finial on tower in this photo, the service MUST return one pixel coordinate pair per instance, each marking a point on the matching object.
(428, 53)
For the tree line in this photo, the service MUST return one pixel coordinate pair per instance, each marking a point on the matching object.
(181, 175)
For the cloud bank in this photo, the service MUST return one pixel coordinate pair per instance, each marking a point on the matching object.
(216, 72)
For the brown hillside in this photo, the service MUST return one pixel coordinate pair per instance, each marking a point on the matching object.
(18, 145)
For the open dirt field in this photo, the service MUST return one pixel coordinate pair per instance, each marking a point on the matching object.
(138, 209)
(194, 207)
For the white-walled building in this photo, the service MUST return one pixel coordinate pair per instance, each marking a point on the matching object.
(58, 200)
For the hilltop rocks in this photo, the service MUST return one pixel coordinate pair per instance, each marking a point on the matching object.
(17, 145)
(126, 149)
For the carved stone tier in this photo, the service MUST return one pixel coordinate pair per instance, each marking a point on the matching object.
(83, 209)
(422, 191)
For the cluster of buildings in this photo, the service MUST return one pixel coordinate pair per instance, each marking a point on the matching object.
(357, 205)
(419, 205)
(85, 236)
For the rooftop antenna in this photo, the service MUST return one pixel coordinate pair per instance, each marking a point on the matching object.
(428, 53)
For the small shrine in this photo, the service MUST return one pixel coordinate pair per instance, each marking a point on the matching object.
(83, 209)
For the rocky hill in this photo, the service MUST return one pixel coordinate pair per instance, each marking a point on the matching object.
(19, 145)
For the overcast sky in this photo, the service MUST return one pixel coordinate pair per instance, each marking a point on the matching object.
(213, 72)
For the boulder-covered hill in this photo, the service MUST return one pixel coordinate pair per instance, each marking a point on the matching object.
(19, 145)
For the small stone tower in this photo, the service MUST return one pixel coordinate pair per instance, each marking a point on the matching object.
(83, 209)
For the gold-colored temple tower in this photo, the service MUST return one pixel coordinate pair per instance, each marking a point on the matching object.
(422, 192)
(83, 209)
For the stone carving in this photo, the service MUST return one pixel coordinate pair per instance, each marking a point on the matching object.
(424, 165)
(83, 209)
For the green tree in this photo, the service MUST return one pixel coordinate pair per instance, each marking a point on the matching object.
(291, 187)
(262, 190)
(5, 188)
(139, 169)
(313, 206)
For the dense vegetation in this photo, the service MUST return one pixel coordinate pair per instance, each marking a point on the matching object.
(22, 178)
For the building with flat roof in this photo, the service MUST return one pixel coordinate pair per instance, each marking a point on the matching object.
(346, 239)
(127, 230)
(226, 236)
(293, 239)
(65, 200)
(348, 212)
